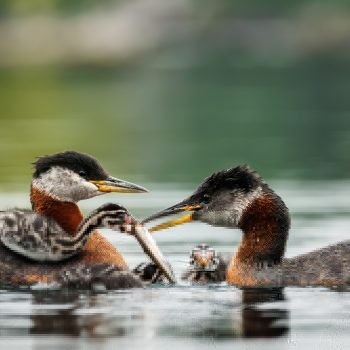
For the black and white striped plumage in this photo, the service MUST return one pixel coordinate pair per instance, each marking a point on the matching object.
(41, 238)
(149, 273)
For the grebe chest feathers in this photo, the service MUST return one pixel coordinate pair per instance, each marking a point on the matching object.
(240, 198)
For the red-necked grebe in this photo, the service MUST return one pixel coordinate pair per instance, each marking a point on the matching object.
(240, 198)
(54, 244)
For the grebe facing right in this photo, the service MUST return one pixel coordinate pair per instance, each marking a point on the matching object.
(53, 244)
(240, 198)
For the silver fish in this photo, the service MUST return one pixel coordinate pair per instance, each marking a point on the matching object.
(150, 247)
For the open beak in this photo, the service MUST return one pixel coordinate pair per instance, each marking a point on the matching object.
(151, 249)
(113, 184)
(183, 206)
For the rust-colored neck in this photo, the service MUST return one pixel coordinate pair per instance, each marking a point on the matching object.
(265, 225)
(67, 214)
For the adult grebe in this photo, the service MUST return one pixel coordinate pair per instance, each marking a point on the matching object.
(55, 229)
(239, 198)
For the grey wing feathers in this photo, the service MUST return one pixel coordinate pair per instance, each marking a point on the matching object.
(330, 265)
(31, 235)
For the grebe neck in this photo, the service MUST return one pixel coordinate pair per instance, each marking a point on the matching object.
(265, 225)
(66, 214)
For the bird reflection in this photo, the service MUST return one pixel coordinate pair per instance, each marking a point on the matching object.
(246, 313)
(59, 320)
(263, 322)
(64, 318)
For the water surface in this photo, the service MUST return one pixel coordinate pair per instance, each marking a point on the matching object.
(185, 316)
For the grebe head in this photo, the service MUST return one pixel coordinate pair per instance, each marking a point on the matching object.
(110, 215)
(239, 198)
(72, 176)
(203, 258)
(220, 200)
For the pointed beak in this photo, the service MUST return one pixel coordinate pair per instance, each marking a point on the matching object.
(183, 206)
(112, 184)
(151, 249)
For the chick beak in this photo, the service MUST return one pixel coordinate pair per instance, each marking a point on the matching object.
(202, 262)
(175, 209)
(112, 184)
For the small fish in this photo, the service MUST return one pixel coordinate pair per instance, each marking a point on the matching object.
(150, 247)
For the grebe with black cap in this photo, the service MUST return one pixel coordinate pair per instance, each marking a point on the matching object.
(54, 244)
(240, 198)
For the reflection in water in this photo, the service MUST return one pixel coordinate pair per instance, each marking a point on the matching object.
(203, 312)
(59, 321)
(62, 319)
(226, 318)
(73, 313)
(266, 322)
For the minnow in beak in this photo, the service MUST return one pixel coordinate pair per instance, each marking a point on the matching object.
(175, 209)
(151, 249)
(112, 184)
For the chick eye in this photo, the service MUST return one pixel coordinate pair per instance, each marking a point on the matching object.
(82, 173)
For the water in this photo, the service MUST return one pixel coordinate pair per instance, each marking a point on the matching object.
(185, 316)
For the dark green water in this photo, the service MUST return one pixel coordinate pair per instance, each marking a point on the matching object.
(159, 124)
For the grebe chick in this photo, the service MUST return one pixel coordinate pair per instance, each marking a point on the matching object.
(149, 273)
(41, 238)
(240, 198)
(55, 229)
(206, 266)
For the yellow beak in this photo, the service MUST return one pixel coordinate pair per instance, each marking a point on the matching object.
(182, 220)
(171, 211)
(112, 184)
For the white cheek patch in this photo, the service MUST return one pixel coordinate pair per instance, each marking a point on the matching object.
(232, 212)
(242, 201)
(65, 185)
(87, 190)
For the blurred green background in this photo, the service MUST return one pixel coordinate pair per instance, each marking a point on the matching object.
(169, 91)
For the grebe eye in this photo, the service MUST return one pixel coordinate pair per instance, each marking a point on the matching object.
(206, 198)
(82, 173)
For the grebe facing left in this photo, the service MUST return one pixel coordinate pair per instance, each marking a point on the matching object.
(60, 244)
(240, 198)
